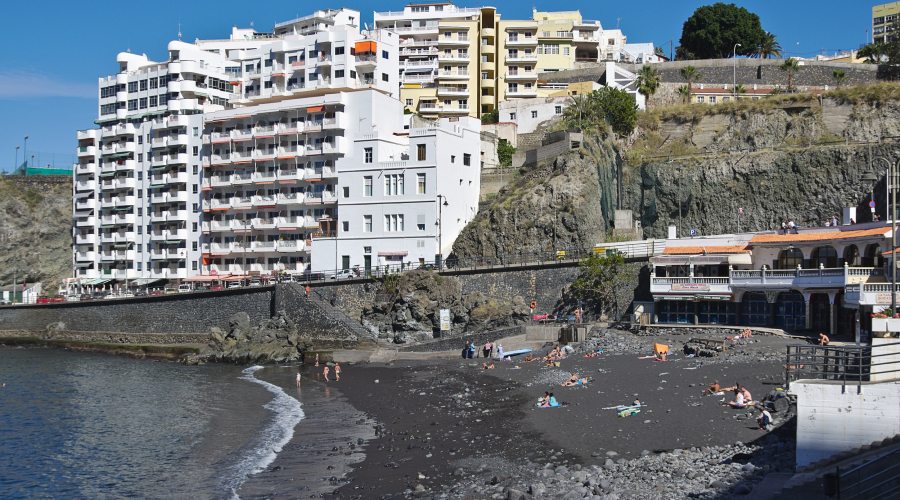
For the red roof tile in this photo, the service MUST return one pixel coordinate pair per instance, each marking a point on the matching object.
(827, 235)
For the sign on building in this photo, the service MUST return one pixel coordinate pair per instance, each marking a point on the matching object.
(445, 320)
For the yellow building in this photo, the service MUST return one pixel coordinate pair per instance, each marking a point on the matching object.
(882, 18)
(456, 61)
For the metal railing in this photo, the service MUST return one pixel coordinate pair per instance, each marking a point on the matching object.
(841, 363)
(879, 478)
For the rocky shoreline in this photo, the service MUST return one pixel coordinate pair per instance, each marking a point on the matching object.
(446, 429)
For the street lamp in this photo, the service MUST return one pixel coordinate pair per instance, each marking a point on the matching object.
(734, 66)
(16, 164)
(442, 202)
(25, 154)
(891, 194)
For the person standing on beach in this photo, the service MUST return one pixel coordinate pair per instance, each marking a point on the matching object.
(337, 372)
(317, 359)
(307, 291)
(298, 379)
(487, 349)
(471, 350)
(325, 371)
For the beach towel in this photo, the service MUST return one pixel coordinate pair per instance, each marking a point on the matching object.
(629, 412)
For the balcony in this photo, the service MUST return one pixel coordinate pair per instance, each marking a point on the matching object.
(177, 159)
(452, 58)
(86, 239)
(419, 30)
(290, 222)
(453, 91)
(85, 204)
(159, 142)
(522, 41)
(124, 165)
(369, 61)
(85, 221)
(427, 64)
(86, 168)
(125, 147)
(107, 184)
(122, 201)
(159, 160)
(125, 183)
(454, 75)
(107, 167)
(264, 131)
(522, 58)
(418, 52)
(287, 128)
(241, 156)
(174, 121)
(268, 176)
(259, 223)
(521, 75)
(220, 180)
(84, 135)
(458, 40)
(766, 279)
(412, 78)
(286, 175)
(84, 256)
(169, 235)
(291, 245)
(86, 151)
(532, 92)
(85, 185)
(217, 203)
(220, 159)
(320, 173)
(336, 122)
(168, 216)
(289, 198)
(265, 154)
(263, 199)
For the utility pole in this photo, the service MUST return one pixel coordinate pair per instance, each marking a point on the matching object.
(734, 68)
(893, 189)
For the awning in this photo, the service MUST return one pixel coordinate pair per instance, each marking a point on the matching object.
(107, 261)
(714, 297)
(159, 168)
(175, 240)
(120, 209)
(393, 254)
(105, 226)
(84, 264)
(365, 47)
(315, 109)
(740, 258)
(144, 281)
(673, 297)
(95, 281)
(206, 277)
(122, 245)
(107, 174)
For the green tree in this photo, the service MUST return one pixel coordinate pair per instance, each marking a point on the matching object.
(690, 74)
(839, 77)
(659, 51)
(581, 110)
(713, 30)
(769, 48)
(602, 275)
(505, 152)
(739, 89)
(647, 81)
(684, 93)
(790, 66)
(606, 106)
(683, 54)
(492, 117)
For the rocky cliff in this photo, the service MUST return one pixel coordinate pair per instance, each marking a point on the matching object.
(35, 229)
(568, 201)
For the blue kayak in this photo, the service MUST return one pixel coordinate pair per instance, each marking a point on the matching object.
(513, 353)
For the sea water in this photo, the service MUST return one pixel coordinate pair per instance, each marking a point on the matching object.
(88, 425)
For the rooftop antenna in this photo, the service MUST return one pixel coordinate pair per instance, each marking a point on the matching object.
(617, 22)
(179, 31)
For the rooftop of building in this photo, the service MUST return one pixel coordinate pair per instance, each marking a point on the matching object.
(706, 249)
(823, 234)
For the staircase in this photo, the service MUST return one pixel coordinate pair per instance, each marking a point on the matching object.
(319, 301)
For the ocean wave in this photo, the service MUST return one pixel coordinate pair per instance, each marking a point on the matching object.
(287, 414)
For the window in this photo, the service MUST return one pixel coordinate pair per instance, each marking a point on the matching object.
(700, 98)
(368, 152)
(339, 51)
(513, 37)
(338, 73)
(196, 207)
(409, 102)
(484, 76)
(452, 158)
(139, 264)
(393, 223)
(512, 116)
(385, 54)
(194, 227)
(367, 223)
(132, 105)
(143, 85)
(196, 131)
(195, 151)
(384, 77)
(712, 99)
(194, 246)
(534, 114)
(393, 184)
(153, 84)
(367, 249)
(267, 84)
(195, 169)
(558, 110)
(140, 212)
(268, 63)
(346, 225)
(565, 51)
(140, 157)
(467, 159)
(194, 265)
(420, 222)
(420, 183)
(153, 101)
(420, 152)
(367, 185)
(132, 87)
(346, 191)
(726, 99)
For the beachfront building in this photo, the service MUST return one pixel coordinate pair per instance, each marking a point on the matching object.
(465, 61)
(819, 279)
(136, 205)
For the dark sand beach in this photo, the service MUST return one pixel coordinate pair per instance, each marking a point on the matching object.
(442, 424)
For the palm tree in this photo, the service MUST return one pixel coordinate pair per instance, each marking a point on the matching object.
(684, 93)
(791, 66)
(579, 111)
(690, 74)
(839, 77)
(739, 89)
(768, 48)
(647, 81)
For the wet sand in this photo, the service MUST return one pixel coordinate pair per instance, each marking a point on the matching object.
(431, 423)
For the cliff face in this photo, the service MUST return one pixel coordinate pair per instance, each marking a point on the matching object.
(35, 229)
(566, 202)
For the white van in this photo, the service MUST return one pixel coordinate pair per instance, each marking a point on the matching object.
(184, 288)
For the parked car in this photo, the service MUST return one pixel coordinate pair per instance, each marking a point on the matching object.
(5, 302)
(427, 267)
(140, 294)
(234, 284)
(43, 299)
(343, 274)
(157, 292)
(184, 288)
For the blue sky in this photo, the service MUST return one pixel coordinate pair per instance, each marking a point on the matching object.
(56, 49)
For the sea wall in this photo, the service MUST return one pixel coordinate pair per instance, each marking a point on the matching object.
(183, 313)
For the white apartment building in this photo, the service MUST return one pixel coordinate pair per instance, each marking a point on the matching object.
(404, 200)
(136, 184)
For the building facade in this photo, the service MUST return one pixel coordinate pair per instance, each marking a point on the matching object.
(883, 16)
(227, 157)
(827, 279)
(465, 61)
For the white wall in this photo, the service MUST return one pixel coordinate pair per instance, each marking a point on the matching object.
(525, 110)
(830, 420)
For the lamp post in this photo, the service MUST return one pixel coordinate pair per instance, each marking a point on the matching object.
(16, 164)
(734, 70)
(442, 202)
(891, 194)
(25, 154)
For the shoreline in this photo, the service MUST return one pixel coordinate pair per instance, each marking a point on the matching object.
(453, 430)
(168, 352)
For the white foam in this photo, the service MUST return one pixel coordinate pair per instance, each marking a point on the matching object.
(288, 414)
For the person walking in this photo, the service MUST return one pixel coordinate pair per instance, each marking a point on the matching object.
(471, 350)
(298, 378)
(325, 371)
(337, 372)
(307, 291)
(500, 351)
(488, 348)
(317, 359)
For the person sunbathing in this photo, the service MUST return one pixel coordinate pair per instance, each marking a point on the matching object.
(593, 354)
(577, 381)
(746, 334)
(738, 401)
(485, 366)
(823, 339)
(529, 358)
(747, 397)
(551, 401)
(712, 389)
(544, 399)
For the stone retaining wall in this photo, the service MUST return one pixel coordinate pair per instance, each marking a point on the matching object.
(182, 313)
(459, 341)
(112, 337)
(700, 331)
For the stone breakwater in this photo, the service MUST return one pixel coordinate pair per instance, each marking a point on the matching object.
(111, 337)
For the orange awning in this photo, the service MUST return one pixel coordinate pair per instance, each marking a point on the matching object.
(365, 47)
(315, 109)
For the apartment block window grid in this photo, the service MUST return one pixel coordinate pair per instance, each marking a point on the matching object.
(393, 223)
(393, 185)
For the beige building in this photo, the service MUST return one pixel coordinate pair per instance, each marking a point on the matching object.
(882, 17)
(458, 61)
